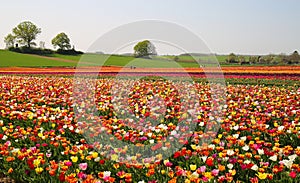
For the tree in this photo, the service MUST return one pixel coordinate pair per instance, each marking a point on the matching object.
(261, 60)
(144, 49)
(253, 59)
(10, 40)
(231, 58)
(26, 32)
(62, 41)
(294, 57)
(242, 60)
(269, 59)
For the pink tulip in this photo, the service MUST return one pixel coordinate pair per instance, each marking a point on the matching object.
(215, 172)
(83, 166)
(202, 169)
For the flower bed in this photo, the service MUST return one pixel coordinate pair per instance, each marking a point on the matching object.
(43, 141)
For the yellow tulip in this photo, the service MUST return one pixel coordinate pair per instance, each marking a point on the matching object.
(208, 175)
(39, 170)
(193, 146)
(193, 167)
(233, 172)
(187, 181)
(262, 175)
(114, 157)
(95, 155)
(36, 162)
(74, 159)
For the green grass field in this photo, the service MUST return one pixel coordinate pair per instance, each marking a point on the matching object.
(127, 61)
(12, 59)
(67, 57)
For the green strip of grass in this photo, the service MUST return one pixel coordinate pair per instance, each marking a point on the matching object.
(11, 59)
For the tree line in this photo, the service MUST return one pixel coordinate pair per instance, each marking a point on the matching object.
(272, 59)
(24, 34)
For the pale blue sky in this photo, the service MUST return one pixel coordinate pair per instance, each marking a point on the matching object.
(239, 26)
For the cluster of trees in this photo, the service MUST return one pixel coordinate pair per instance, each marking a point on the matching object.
(25, 33)
(293, 58)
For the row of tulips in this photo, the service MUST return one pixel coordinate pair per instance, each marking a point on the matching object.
(147, 131)
(195, 74)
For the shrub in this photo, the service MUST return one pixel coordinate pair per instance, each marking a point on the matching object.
(36, 51)
(69, 52)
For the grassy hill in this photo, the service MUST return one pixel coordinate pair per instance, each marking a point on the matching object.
(11, 59)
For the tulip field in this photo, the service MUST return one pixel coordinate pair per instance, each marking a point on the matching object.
(46, 137)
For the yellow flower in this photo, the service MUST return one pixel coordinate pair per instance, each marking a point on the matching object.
(39, 170)
(74, 159)
(217, 141)
(36, 162)
(193, 146)
(187, 181)
(114, 157)
(4, 128)
(193, 167)
(208, 175)
(95, 155)
(233, 172)
(163, 171)
(159, 156)
(116, 165)
(30, 116)
(262, 175)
